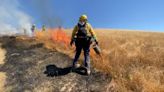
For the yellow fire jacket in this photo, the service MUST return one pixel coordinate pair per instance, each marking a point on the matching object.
(89, 29)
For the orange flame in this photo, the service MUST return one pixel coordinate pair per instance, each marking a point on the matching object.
(57, 39)
(53, 37)
(59, 36)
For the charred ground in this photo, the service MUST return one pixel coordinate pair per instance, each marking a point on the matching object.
(25, 68)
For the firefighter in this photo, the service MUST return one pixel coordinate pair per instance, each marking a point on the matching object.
(33, 28)
(81, 36)
(43, 28)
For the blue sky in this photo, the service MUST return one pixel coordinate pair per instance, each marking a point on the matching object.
(117, 14)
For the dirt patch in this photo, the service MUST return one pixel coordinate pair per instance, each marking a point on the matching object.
(2, 55)
(2, 74)
(3, 81)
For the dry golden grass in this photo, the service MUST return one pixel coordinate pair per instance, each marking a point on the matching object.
(3, 80)
(135, 59)
(2, 55)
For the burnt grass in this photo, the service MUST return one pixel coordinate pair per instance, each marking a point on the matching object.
(30, 67)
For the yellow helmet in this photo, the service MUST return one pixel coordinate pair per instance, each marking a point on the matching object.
(83, 18)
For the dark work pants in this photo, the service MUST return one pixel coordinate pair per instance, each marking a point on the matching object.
(82, 44)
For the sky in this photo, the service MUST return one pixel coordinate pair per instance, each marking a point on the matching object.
(114, 14)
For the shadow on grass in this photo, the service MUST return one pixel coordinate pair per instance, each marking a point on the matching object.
(53, 70)
(25, 63)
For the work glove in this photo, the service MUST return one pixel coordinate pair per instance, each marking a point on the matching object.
(72, 41)
(96, 42)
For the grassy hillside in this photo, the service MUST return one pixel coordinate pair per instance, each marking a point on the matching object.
(134, 60)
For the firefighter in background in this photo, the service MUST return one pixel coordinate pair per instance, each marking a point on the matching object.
(25, 31)
(43, 28)
(81, 35)
(33, 28)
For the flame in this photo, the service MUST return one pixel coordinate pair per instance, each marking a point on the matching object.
(53, 38)
(59, 36)
(57, 39)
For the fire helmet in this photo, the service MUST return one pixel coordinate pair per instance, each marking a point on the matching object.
(83, 18)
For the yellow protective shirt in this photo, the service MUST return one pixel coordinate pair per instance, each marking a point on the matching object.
(89, 29)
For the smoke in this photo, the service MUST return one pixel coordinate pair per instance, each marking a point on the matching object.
(46, 13)
(12, 19)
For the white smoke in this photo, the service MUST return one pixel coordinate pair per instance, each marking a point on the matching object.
(12, 19)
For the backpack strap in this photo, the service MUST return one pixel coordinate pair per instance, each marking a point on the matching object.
(82, 32)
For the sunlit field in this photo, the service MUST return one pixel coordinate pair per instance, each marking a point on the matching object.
(134, 58)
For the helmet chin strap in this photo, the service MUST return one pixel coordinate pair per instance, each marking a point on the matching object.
(81, 23)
